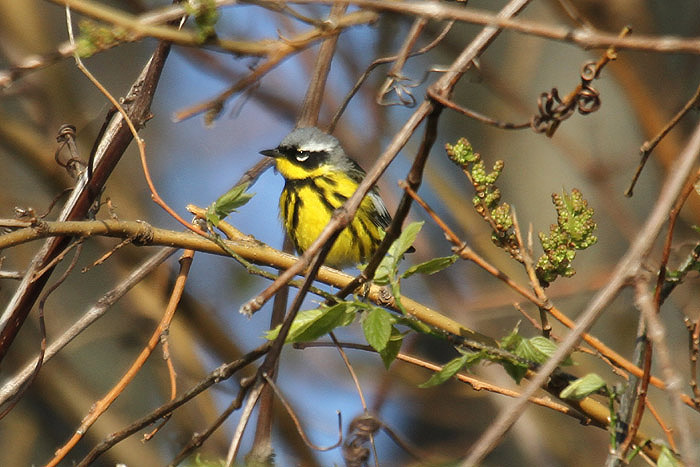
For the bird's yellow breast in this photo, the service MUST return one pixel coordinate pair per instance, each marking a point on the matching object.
(306, 207)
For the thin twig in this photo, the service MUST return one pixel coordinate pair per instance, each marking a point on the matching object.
(198, 438)
(220, 374)
(480, 117)
(649, 145)
(657, 334)
(108, 152)
(11, 386)
(584, 37)
(297, 423)
(42, 327)
(476, 383)
(527, 261)
(381, 61)
(99, 407)
(626, 268)
(281, 52)
(251, 401)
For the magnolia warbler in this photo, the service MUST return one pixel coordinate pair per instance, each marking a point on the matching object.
(319, 178)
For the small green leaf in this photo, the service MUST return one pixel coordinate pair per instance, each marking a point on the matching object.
(383, 272)
(388, 267)
(336, 316)
(312, 324)
(302, 320)
(377, 327)
(511, 341)
(228, 203)
(543, 348)
(406, 239)
(667, 458)
(448, 371)
(392, 348)
(431, 267)
(583, 387)
(537, 349)
(515, 370)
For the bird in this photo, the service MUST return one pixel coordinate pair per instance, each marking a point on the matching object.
(319, 177)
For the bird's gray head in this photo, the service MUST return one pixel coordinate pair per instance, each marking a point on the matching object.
(308, 149)
(311, 139)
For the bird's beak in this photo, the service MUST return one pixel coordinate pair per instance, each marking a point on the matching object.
(271, 153)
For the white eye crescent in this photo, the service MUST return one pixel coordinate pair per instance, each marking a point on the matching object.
(301, 157)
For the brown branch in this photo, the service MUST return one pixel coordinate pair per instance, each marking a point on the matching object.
(199, 438)
(317, 85)
(101, 406)
(220, 374)
(626, 268)
(11, 387)
(587, 38)
(381, 61)
(466, 253)
(649, 145)
(345, 214)
(281, 52)
(658, 299)
(113, 144)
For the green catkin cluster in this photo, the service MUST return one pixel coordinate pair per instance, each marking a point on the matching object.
(205, 15)
(95, 37)
(573, 231)
(487, 200)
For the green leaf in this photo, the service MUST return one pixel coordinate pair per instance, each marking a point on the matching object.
(377, 327)
(448, 371)
(383, 273)
(537, 349)
(406, 239)
(511, 341)
(302, 320)
(667, 458)
(582, 387)
(309, 325)
(431, 267)
(228, 203)
(392, 348)
(388, 267)
(515, 370)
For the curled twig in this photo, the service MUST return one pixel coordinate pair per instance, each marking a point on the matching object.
(585, 98)
(66, 139)
(382, 61)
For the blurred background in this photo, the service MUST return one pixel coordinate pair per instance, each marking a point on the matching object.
(193, 162)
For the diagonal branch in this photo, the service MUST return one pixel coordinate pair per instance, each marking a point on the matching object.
(626, 268)
(111, 147)
(345, 214)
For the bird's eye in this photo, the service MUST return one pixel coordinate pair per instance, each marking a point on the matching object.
(302, 156)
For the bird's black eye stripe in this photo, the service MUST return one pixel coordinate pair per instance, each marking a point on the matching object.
(307, 159)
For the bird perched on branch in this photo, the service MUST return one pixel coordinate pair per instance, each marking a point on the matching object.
(319, 178)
